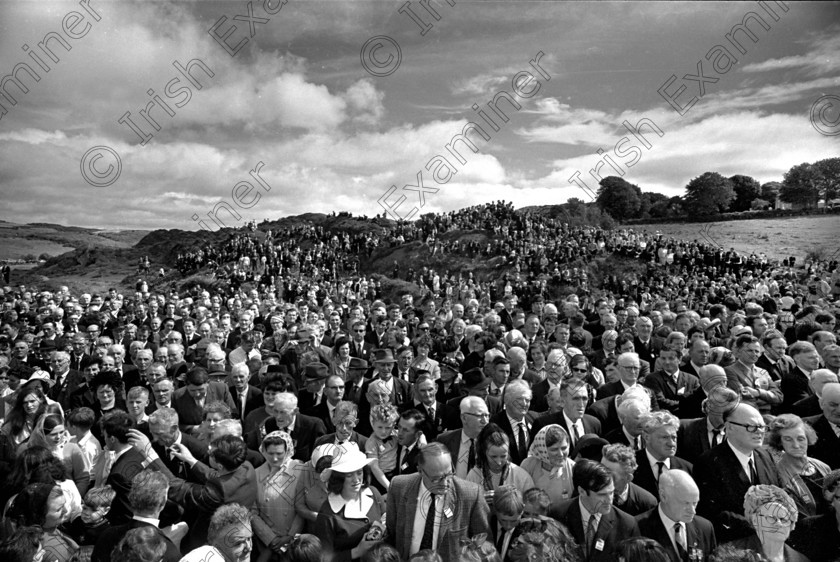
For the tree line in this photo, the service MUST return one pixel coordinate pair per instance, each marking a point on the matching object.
(804, 185)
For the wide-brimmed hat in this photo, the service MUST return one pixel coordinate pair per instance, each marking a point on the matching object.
(450, 363)
(358, 363)
(316, 372)
(475, 378)
(42, 376)
(351, 460)
(385, 355)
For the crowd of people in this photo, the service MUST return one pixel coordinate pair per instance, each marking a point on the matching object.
(689, 414)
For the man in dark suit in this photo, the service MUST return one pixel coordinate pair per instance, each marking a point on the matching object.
(127, 464)
(698, 356)
(333, 392)
(629, 370)
(460, 511)
(773, 358)
(304, 430)
(642, 343)
(247, 397)
(658, 456)
(383, 362)
(726, 471)
(314, 378)
(515, 420)
(556, 367)
(477, 384)
(354, 385)
(629, 497)
(462, 443)
(574, 395)
(674, 525)
(66, 380)
(810, 407)
(190, 400)
(671, 386)
(818, 537)
(795, 383)
(408, 441)
(163, 427)
(591, 518)
(359, 346)
(147, 499)
(424, 402)
(345, 417)
(827, 426)
(606, 412)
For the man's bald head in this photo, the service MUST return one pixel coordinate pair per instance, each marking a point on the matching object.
(830, 402)
(820, 378)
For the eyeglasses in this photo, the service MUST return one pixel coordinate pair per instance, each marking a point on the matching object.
(438, 479)
(479, 416)
(775, 519)
(580, 370)
(347, 423)
(750, 428)
(630, 367)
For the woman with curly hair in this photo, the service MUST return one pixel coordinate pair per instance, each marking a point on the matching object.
(544, 539)
(801, 476)
(492, 463)
(423, 345)
(773, 515)
(45, 505)
(51, 434)
(340, 357)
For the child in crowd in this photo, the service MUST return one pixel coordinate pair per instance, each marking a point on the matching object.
(382, 445)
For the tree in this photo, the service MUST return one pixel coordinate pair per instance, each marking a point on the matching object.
(667, 208)
(760, 204)
(770, 191)
(800, 186)
(708, 194)
(649, 199)
(575, 207)
(746, 189)
(828, 181)
(619, 198)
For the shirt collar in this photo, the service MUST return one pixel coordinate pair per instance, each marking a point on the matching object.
(353, 510)
(652, 460)
(150, 520)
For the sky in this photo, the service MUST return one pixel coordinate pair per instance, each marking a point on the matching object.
(371, 107)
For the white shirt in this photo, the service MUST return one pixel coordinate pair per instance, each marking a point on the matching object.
(744, 460)
(424, 499)
(570, 424)
(652, 460)
(514, 425)
(204, 553)
(585, 515)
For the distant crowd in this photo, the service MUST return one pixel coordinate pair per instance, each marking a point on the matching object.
(690, 413)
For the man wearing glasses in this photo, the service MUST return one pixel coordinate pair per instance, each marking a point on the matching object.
(725, 472)
(333, 392)
(359, 347)
(434, 509)
(556, 368)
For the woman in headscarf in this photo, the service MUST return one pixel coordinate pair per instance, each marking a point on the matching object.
(549, 464)
(275, 520)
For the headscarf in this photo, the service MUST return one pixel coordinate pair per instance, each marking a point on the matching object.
(539, 449)
(276, 481)
(287, 440)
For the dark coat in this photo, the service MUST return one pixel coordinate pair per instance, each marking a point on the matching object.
(699, 534)
(253, 400)
(614, 527)
(692, 439)
(190, 414)
(827, 447)
(604, 411)
(670, 395)
(110, 537)
(752, 543)
(591, 424)
(503, 422)
(638, 501)
(644, 476)
(817, 537)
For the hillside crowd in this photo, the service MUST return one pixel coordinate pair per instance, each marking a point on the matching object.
(689, 413)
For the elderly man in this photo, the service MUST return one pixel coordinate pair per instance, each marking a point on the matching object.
(556, 368)
(821, 340)
(304, 430)
(696, 436)
(827, 426)
(516, 420)
(66, 381)
(755, 384)
(345, 417)
(628, 376)
(697, 357)
(332, 394)
(659, 454)
(574, 396)
(674, 524)
(163, 427)
(230, 536)
(773, 358)
(810, 406)
(629, 497)
(398, 389)
(433, 509)
(425, 390)
(462, 442)
(726, 471)
(642, 343)
(795, 384)
(247, 397)
(670, 385)
(138, 375)
(631, 413)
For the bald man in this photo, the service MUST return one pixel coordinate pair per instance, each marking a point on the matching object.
(674, 523)
(810, 406)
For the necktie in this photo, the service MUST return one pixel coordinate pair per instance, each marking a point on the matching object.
(753, 475)
(242, 401)
(471, 456)
(715, 437)
(660, 468)
(432, 414)
(494, 392)
(429, 529)
(590, 533)
(576, 433)
(679, 538)
(523, 442)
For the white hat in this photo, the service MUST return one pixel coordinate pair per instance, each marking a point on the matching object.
(350, 461)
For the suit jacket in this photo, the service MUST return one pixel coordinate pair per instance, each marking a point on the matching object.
(738, 377)
(693, 439)
(132, 378)
(778, 369)
(669, 394)
(699, 534)
(599, 359)
(322, 412)
(827, 447)
(617, 435)
(604, 411)
(190, 414)
(644, 476)
(470, 515)
(611, 389)
(355, 437)
(253, 400)
(110, 537)
(364, 352)
(638, 500)
(807, 407)
(539, 396)
(503, 422)
(723, 485)
(432, 427)
(614, 527)
(692, 405)
(645, 352)
(409, 463)
(591, 424)
(794, 387)
(452, 410)
(452, 441)
(752, 543)
(306, 431)
(61, 392)
(178, 467)
(399, 396)
(126, 467)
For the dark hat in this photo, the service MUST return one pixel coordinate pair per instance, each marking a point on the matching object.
(357, 363)
(302, 335)
(385, 355)
(475, 378)
(316, 372)
(451, 363)
(277, 369)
